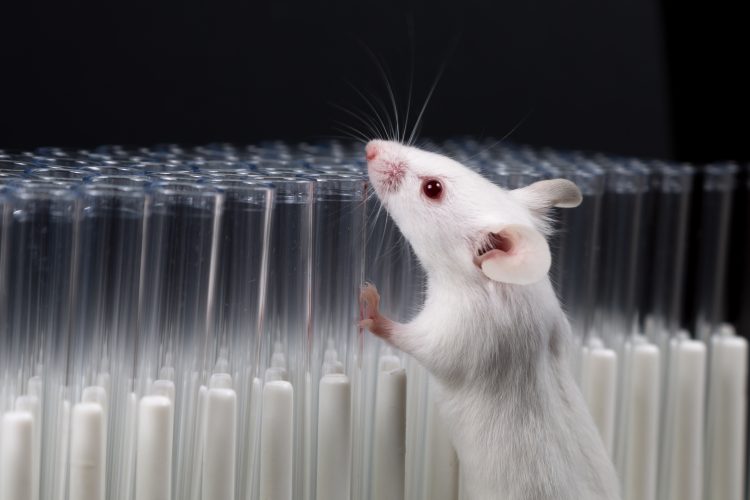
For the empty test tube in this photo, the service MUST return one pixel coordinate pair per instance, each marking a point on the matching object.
(712, 244)
(179, 274)
(338, 265)
(178, 303)
(110, 221)
(290, 269)
(288, 343)
(576, 245)
(619, 258)
(661, 294)
(241, 300)
(243, 258)
(339, 240)
(5, 337)
(37, 248)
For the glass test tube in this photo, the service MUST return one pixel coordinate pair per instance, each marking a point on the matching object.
(241, 306)
(621, 219)
(288, 327)
(242, 270)
(715, 202)
(105, 307)
(289, 300)
(38, 249)
(338, 266)
(339, 240)
(178, 282)
(661, 294)
(6, 398)
(744, 251)
(177, 302)
(110, 222)
(576, 248)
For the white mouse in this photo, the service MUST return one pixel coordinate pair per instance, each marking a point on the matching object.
(491, 332)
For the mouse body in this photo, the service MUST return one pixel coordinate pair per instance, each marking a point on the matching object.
(491, 332)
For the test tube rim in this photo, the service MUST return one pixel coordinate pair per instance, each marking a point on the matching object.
(166, 188)
(97, 179)
(111, 189)
(31, 190)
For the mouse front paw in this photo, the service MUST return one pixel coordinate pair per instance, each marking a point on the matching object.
(369, 301)
(370, 317)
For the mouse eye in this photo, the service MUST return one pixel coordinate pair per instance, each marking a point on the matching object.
(432, 188)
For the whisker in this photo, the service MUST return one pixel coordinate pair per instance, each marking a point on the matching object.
(412, 56)
(372, 129)
(353, 133)
(351, 129)
(515, 127)
(372, 107)
(385, 110)
(347, 138)
(345, 128)
(387, 82)
(441, 71)
(424, 106)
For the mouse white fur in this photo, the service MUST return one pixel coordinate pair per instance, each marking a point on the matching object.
(492, 331)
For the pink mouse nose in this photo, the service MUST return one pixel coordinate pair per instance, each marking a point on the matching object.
(371, 151)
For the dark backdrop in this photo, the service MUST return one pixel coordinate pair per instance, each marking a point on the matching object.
(630, 77)
(640, 77)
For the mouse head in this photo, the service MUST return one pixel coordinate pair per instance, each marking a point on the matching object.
(461, 224)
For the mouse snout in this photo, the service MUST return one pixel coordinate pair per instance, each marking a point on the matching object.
(371, 151)
(386, 169)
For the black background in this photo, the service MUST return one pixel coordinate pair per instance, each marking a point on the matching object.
(635, 77)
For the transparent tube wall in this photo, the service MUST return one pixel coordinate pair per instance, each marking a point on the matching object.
(577, 246)
(338, 266)
(713, 246)
(106, 281)
(622, 211)
(178, 299)
(193, 310)
(6, 211)
(661, 295)
(242, 285)
(338, 272)
(288, 331)
(38, 248)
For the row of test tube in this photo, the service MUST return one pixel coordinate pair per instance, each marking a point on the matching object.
(181, 322)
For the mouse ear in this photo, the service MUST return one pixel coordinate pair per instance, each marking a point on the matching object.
(519, 255)
(542, 195)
